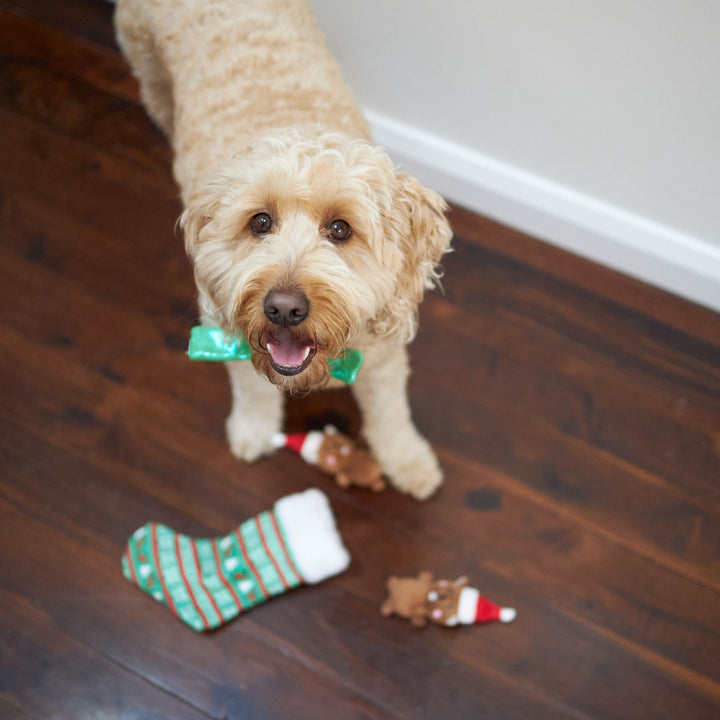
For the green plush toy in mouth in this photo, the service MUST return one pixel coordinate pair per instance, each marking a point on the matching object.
(216, 345)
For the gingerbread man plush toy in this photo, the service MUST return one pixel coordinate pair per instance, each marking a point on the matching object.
(443, 602)
(336, 454)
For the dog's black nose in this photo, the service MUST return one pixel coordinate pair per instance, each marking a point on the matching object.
(286, 307)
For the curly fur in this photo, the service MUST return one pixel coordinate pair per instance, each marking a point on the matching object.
(261, 121)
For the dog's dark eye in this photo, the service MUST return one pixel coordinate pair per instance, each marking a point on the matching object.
(261, 224)
(339, 230)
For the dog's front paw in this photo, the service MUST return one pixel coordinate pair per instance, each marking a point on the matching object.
(419, 475)
(250, 438)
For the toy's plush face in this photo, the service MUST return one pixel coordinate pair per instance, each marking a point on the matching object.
(335, 452)
(305, 242)
(444, 600)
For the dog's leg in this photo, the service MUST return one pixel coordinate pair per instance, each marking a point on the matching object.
(404, 455)
(257, 412)
(137, 42)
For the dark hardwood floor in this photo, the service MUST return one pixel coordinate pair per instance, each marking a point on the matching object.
(576, 413)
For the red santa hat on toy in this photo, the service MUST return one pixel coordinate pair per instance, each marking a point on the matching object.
(475, 608)
(306, 444)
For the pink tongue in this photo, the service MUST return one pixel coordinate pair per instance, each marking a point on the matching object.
(285, 349)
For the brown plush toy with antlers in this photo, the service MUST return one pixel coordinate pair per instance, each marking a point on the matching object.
(442, 602)
(336, 454)
(407, 597)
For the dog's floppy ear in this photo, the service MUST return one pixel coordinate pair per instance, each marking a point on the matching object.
(208, 237)
(420, 228)
(201, 208)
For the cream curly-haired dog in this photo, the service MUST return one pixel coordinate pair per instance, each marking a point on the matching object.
(302, 234)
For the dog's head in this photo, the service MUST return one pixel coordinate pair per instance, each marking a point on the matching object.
(306, 241)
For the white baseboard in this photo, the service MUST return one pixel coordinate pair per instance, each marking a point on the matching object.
(634, 245)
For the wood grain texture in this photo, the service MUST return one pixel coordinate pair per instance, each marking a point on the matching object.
(576, 413)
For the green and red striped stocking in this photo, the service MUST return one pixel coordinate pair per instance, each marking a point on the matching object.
(207, 582)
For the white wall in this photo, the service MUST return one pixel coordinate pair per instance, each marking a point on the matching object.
(594, 124)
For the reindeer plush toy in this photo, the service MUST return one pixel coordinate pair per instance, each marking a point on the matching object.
(442, 602)
(336, 454)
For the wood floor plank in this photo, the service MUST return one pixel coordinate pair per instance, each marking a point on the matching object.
(49, 674)
(29, 40)
(42, 161)
(89, 19)
(101, 265)
(601, 281)
(665, 525)
(488, 283)
(603, 403)
(79, 91)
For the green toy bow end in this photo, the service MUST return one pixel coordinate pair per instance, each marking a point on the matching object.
(347, 366)
(215, 345)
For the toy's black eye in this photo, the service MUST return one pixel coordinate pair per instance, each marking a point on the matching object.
(339, 230)
(261, 224)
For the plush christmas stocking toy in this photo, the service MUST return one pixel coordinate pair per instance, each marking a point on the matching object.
(208, 582)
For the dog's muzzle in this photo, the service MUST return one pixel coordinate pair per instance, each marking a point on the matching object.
(290, 353)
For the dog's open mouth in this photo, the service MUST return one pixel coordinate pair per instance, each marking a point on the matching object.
(289, 355)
